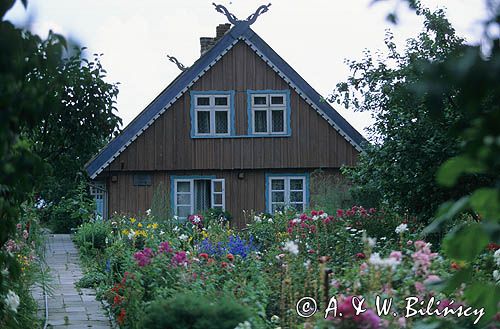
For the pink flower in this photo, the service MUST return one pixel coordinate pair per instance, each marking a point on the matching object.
(431, 279)
(419, 286)
(340, 213)
(397, 255)
(19, 226)
(409, 243)
(372, 210)
(402, 322)
(25, 235)
(363, 268)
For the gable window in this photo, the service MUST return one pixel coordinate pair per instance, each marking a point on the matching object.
(286, 191)
(212, 114)
(195, 195)
(269, 112)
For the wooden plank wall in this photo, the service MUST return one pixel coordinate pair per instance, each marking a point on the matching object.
(167, 145)
(241, 194)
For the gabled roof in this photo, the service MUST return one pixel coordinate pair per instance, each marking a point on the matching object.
(186, 79)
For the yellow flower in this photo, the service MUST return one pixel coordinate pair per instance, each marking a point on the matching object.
(132, 220)
(204, 234)
(125, 232)
(149, 226)
(190, 239)
(139, 225)
(155, 226)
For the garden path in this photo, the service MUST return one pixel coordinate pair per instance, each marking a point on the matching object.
(69, 307)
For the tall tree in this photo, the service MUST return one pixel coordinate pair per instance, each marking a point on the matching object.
(80, 122)
(408, 143)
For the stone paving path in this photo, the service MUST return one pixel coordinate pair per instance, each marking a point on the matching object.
(68, 307)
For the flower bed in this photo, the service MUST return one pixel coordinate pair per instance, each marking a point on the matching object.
(260, 273)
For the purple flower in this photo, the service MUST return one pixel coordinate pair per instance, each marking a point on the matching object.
(180, 259)
(164, 247)
(143, 257)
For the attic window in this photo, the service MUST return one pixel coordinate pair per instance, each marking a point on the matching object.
(269, 113)
(211, 114)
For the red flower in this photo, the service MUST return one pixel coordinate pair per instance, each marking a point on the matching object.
(230, 257)
(121, 316)
(223, 264)
(455, 266)
(117, 300)
(311, 251)
(493, 246)
(360, 255)
(210, 260)
(204, 256)
(340, 213)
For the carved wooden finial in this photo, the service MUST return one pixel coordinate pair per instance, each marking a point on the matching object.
(234, 20)
(180, 66)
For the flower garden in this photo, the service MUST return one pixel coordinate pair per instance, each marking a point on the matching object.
(204, 274)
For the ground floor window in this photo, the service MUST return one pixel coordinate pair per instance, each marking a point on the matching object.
(286, 191)
(98, 191)
(195, 195)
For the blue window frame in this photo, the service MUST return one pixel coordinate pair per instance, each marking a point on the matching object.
(269, 113)
(287, 191)
(212, 114)
(194, 194)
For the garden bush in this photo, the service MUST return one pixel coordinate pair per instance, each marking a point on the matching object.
(180, 277)
(93, 234)
(194, 311)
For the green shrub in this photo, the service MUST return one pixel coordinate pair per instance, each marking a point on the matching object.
(93, 235)
(70, 211)
(91, 279)
(192, 311)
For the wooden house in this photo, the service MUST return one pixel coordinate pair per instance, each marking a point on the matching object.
(238, 130)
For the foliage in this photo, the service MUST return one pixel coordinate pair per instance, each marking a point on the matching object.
(22, 104)
(410, 143)
(82, 119)
(479, 154)
(70, 211)
(329, 192)
(192, 311)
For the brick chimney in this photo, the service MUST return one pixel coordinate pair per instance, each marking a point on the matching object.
(208, 42)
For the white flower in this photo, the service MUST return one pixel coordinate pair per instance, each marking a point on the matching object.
(323, 215)
(315, 217)
(401, 228)
(292, 247)
(196, 219)
(270, 220)
(183, 237)
(296, 220)
(12, 301)
(148, 212)
(161, 232)
(275, 319)
(371, 241)
(176, 217)
(244, 325)
(257, 219)
(307, 263)
(496, 275)
(383, 238)
(131, 234)
(376, 261)
(496, 256)
(176, 229)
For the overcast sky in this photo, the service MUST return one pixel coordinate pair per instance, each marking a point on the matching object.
(313, 36)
